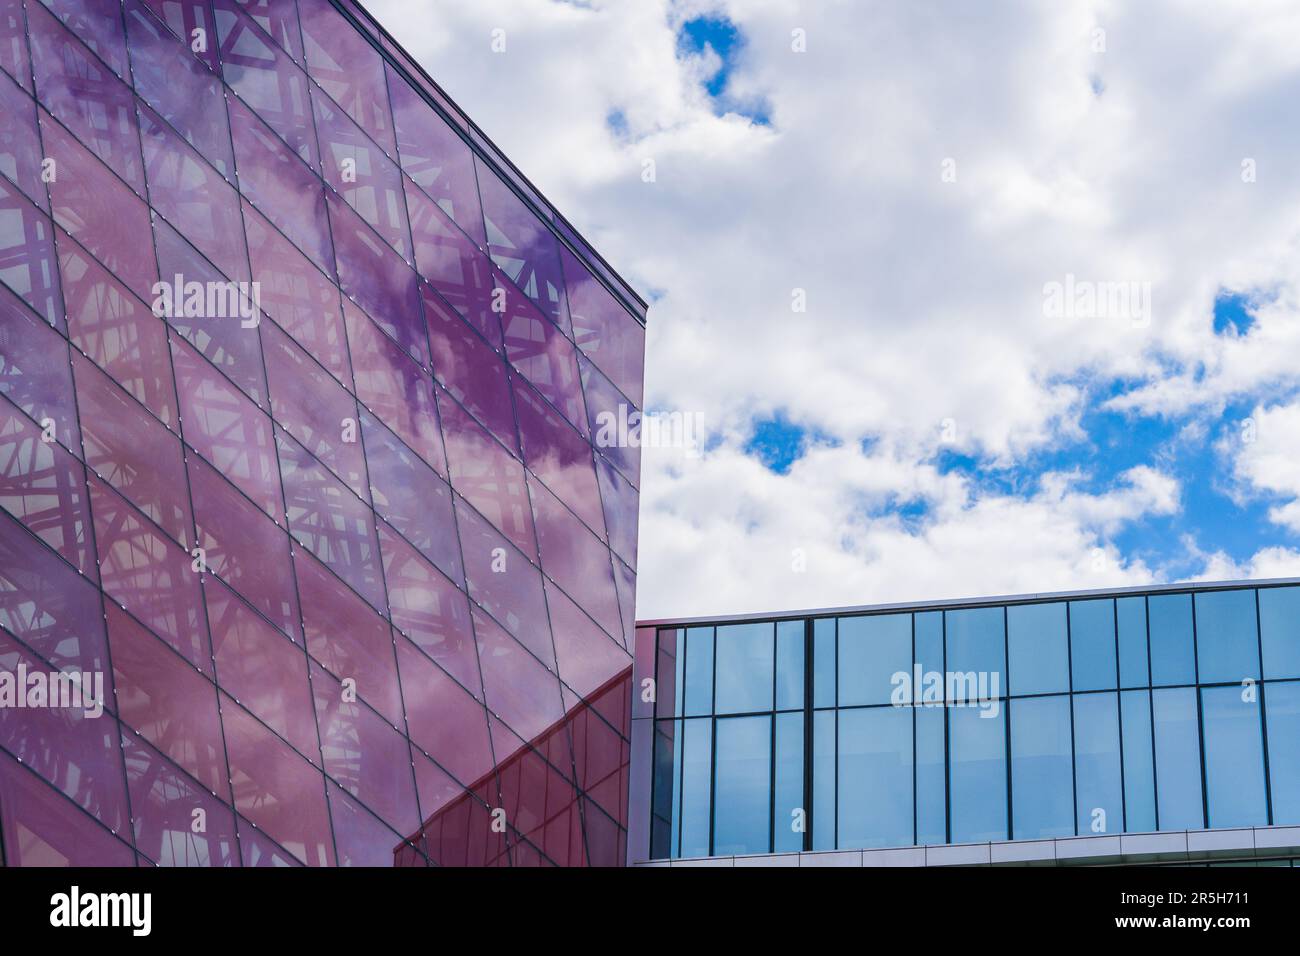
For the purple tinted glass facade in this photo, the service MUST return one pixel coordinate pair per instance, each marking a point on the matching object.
(300, 388)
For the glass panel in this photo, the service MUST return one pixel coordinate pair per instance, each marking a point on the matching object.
(1139, 770)
(789, 664)
(1178, 758)
(1172, 657)
(1092, 644)
(445, 722)
(585, 655)
(35, 373)
(603, 329)
(1036, 644)
(823, 795)
(698, 678)
(665, 794)
(875, 777)
(622, 509)
(931, 782)
(20, 146)
(579, 562)
(559, 456)
(1132, 622)
(42, 829)
(1283, 705)
(99, 26)
(1234, 757)
(348, 68)
(468, 368)
(669, 663)
(976, 653)
(459, 271)
(744, 668)
(790, 820)
(1279, 625)
(1042, 784)
(1098, 787)
(743, 788)
(186, 16)
(1227, 636)
(542, 353)
(824, 662)
(977, 771)
(697, 748)
(13, 42)
(875, 654)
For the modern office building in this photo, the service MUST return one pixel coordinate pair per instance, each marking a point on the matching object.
(1133, 726)
(300, 384)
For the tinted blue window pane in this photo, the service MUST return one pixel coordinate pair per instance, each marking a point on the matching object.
(1234, 758)
(1282, 704)
(928, 627)
(824, 662)
(674, 656)
(663, 832)
(696, 773)
(743, 800)
(1139, 770)
(1172, 659)
(931, 803)
(1279, 625)
(1227, 638)
(978, 773)
(977, 646)
(744, 668)
(1042, 784)
(823, 821)
(1178, 759)
(789, 665)
(875, 777)
(1099, 792)
(699, 671)
(789, 783)
(1092, 644)
(872, 651)
(1131, 618)
(1036, 645)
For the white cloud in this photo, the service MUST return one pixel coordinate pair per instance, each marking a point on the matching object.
(925, 297)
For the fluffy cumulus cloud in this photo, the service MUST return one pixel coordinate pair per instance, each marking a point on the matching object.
(1020, 282)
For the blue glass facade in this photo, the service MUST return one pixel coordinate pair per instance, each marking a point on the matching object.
(1026, 719)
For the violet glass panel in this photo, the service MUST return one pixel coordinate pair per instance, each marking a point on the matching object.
(149, 575)
(621, 503)
(559, 456)
(20, 145)
(348, 68)
(364, 755)
(445, 722)
(227, 429)
(277, 789)
(525, 249)
(258, 849)
(625, 582)
(44, 487)
(461, 273)
(361, 837)
(361, 173)
(436, 157)
(132, 451)
(410, 496)
(193, 197)
(13, 43)
(280, 186)
(163, 801)
(267, 80)
(330, 521)
(473, 374)
(612, 419)
(97, 25)
(391, 385)
(516, 685)
(503, 581)
(99, 211)
(243, 546)
(182, 90)
(545, 357)
(41, 828)
(382, 284)
(429, 609)
(85, 95)
(34, 371)
(348, 637)
(280, 20)
(303, 301)
(485, 473)
(27, 259)
(603, 329)
(191, 20)
(576, 559)
(47, 605)
(314, 409)
(118, 331)
(67, 746)
(261, 669)
(543, 807)
(585, 654)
